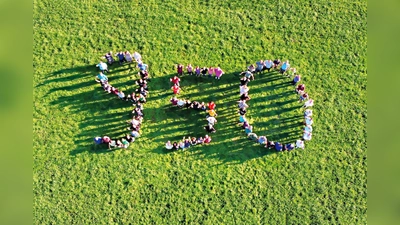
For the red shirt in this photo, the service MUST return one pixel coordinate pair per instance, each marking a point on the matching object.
(207, 140)
(175, 80)
(174, 102)
(175, 89)
(211, 105)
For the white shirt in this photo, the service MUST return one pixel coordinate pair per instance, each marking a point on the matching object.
(308, 112)
(137, 56)
(309, 103)
(181, 102)
(243, 89)
(307, 136)
(211, 120)
(300, 144)
(102, 66)
(168, 146)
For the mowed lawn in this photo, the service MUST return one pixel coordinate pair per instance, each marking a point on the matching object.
(231, 180)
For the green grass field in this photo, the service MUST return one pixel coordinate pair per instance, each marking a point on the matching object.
(231, 180)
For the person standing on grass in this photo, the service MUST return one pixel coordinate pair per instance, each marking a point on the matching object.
(121, 95)
(101, 78)
(218, 73)
(308, 112)
(289, 146)
(308, 103)
(242, 111)
(268, 64)
(197, 70)
(102, 66)
(303, 97)
(248, 75)
(308, 128)
(210, 72)
(204, 71)
(296, 79)
(189, 69)
(137, 57)
(251, 68)
(175, 80)
(300, 144)
(181, 103)
(245, 97)
(212, 113)
(278, 146)
(260, 66)
(143, 67)
(242, 104)
(285, 66)
(108, 56)
(180, 69)
(176, 89)
(307, 136)
(277, 62)
(174, 101)
(244, 81)
(248, 129)
(121, 57)
(128, 57)
(211, 120)
(300, 88)
(262, 140)
(243, 89)
(130, 138)
(207, 139)
(252, 136)
(175, 146)
(211, 105)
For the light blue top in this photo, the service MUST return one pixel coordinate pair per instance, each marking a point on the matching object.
(102, 66)
(142, 66)
(285, 66)
(102, 77)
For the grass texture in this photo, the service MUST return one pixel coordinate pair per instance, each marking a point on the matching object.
(231, 180)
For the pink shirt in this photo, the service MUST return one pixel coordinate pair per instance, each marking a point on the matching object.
(210, 71)
(218, 72)
(189, 69)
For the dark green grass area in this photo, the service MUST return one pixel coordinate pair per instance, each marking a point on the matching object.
(231, 180)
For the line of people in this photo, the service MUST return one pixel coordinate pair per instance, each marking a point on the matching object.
(211, 72)
(187, 142)
(244, 97)
(138, 98)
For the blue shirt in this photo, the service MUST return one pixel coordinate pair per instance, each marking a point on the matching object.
(120, 56)
(289, 147)
(278, 146)
(98, 140)
(259, 65)
(248, 130)
(285, 66)
(142, 66)
(102, 77)
(268, 64)
(242, 119)
(296, 79)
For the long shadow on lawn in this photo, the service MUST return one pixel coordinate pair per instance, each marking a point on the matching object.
(230, 144)
(276, 108)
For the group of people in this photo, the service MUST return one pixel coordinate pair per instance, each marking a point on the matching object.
(137, 97)
(187, 142)
(216, 72)
(123, 57)
(285, 69)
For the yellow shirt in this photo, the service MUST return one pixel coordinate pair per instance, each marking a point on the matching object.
(212, 113)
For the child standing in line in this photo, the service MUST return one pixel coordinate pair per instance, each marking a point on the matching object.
(180, 69)
(210, 72)
(197, 71)
(189, 69)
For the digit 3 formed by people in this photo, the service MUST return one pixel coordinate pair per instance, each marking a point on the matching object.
(137, 97)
